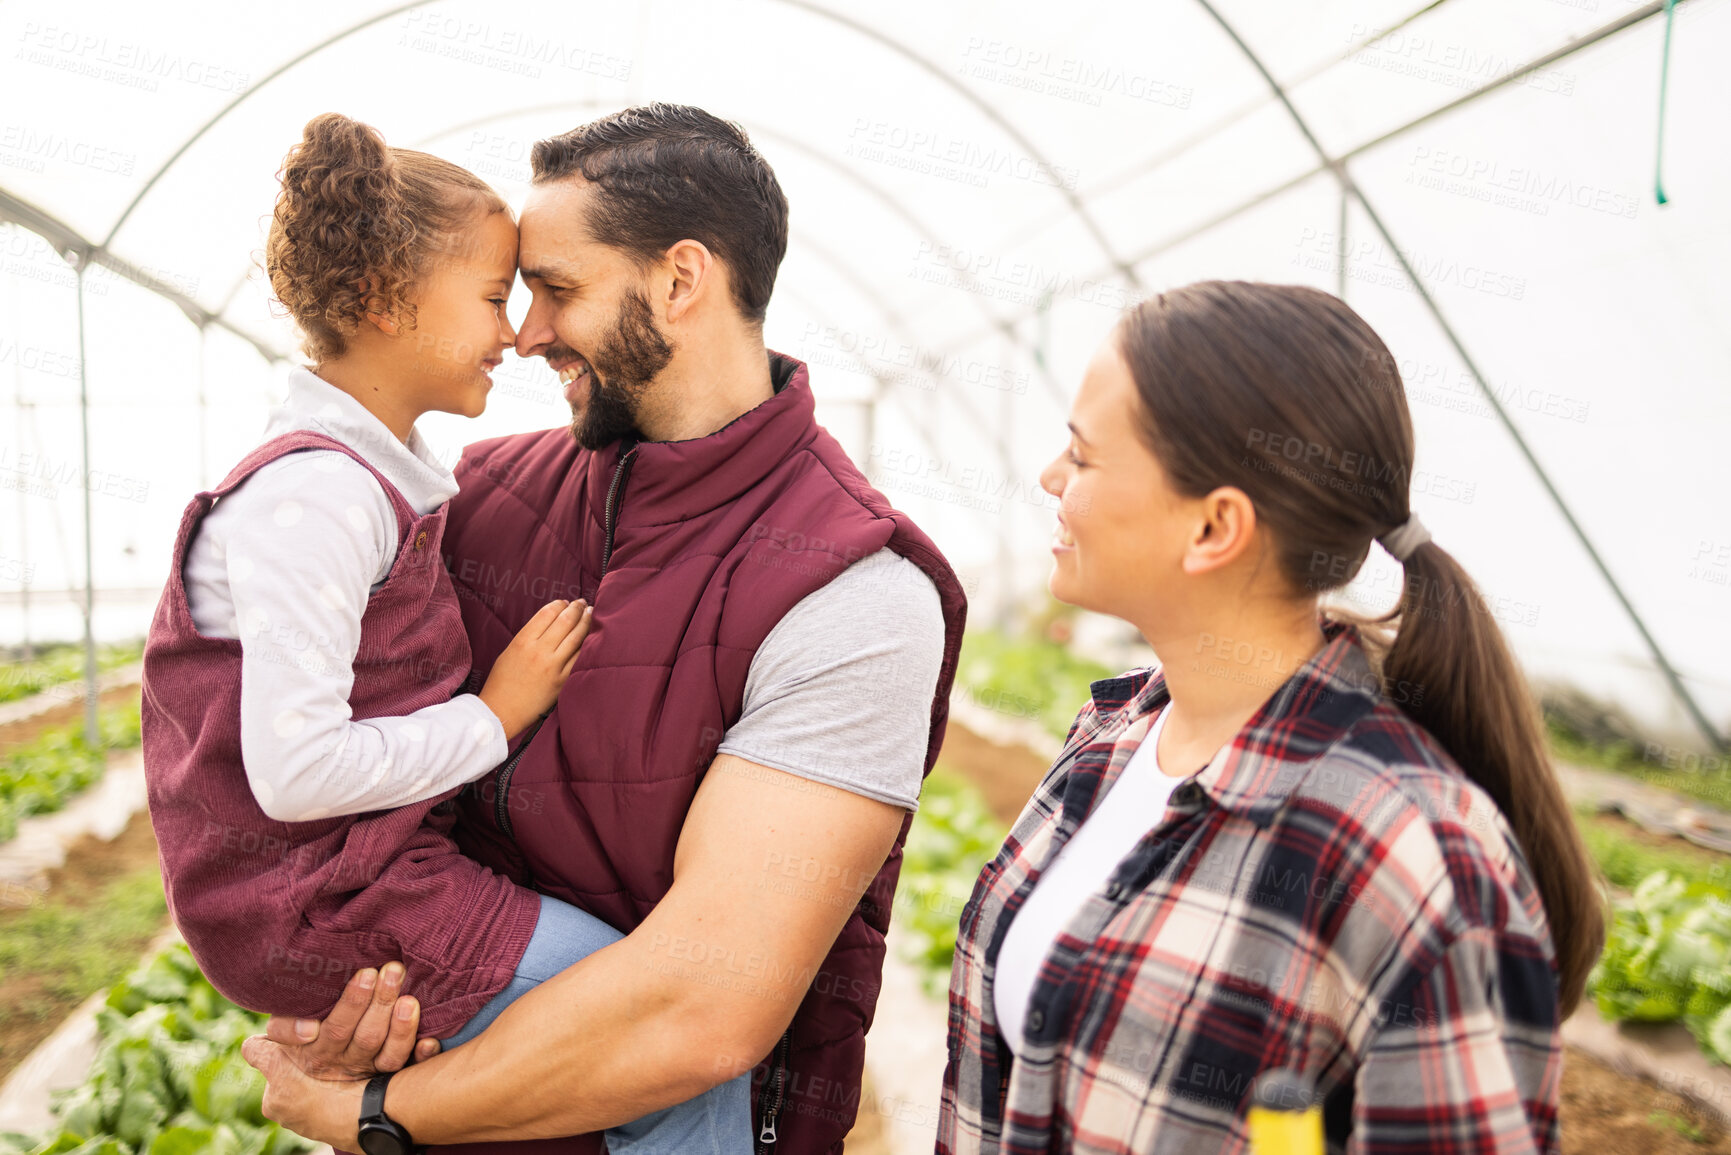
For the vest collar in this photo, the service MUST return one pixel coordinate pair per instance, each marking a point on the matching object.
(674, 480)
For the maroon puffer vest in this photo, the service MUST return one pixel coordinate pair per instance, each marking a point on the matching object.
(713, 540)
(280, 914)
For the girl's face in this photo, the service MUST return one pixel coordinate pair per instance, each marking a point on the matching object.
(461, 331)
(1122, 531)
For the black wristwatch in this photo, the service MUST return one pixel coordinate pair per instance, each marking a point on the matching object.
(380, 1134)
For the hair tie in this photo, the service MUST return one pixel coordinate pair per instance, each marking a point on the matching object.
(1405, 537)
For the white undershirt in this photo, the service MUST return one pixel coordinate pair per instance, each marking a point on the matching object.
(285, 562)
(1081, 869)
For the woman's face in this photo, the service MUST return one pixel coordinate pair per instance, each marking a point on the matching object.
(1121, 535)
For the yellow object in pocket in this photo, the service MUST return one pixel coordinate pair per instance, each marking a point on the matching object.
(1285, 1118)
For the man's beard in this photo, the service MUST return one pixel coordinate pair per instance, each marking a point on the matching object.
(627, 359)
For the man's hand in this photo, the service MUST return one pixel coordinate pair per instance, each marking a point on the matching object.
(769, 867)
(323, 1110)
(370, 1029)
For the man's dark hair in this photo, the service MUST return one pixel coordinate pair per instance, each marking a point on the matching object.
(664, 173)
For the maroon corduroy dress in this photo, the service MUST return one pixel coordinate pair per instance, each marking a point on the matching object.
(280, 914)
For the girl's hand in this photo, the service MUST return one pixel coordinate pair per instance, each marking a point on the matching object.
(525, 682)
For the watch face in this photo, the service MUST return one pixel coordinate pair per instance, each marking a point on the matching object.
(383, 1139)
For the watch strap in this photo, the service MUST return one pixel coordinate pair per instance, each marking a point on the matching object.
(373, 1097)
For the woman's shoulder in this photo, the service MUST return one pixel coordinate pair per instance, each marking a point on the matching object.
(1390, 784)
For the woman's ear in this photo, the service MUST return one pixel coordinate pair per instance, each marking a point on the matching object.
(1224, 529)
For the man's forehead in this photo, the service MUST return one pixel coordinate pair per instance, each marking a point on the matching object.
(547, 266)
(555, 235)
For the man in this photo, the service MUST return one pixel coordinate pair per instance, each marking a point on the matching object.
(732, 767)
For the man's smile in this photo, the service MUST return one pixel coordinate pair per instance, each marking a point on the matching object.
(574, 374)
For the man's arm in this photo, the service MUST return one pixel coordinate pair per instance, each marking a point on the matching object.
(696, 995)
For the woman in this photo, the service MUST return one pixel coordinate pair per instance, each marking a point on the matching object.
(1293, 843)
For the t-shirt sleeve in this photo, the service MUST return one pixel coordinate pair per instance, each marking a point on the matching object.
(306, 536)
(841, 690)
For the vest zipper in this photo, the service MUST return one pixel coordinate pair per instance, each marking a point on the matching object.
(777, 1092)
(501, 801)
(619, 472)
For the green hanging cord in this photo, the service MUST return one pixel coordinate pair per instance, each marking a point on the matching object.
(1664, 77)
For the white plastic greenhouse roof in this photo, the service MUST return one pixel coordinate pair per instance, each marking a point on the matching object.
(977, 190)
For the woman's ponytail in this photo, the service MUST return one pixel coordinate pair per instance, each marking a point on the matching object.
(1466, 689)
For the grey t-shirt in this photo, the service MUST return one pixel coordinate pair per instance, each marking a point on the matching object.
(841, 690)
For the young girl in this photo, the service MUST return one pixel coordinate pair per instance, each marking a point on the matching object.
(303, 733)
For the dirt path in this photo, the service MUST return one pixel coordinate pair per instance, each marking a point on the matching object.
(1605, 1113)
(868, 1135)
(17, 733)
(33, 1001)
(1005, 775)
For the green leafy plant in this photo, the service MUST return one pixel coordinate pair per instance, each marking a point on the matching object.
(1668, 957)
(952, 837)
(39, 777)
(1674, 1122)
(168, 1077)
(1027, 677)
(60, 664)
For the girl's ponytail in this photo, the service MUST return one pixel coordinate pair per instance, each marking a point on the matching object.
(353, 225)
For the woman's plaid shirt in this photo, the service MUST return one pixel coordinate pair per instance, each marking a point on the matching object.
(1329, 894)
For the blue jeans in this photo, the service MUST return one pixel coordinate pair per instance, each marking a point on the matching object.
(717, 1122)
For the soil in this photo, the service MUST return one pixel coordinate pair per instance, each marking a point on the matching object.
(17, 733)
(869, 1136)
(1603, 1113)
(1657, 839)
(1005, 775)
(91, 865)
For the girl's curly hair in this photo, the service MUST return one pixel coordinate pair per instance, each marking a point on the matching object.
(355, 225)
